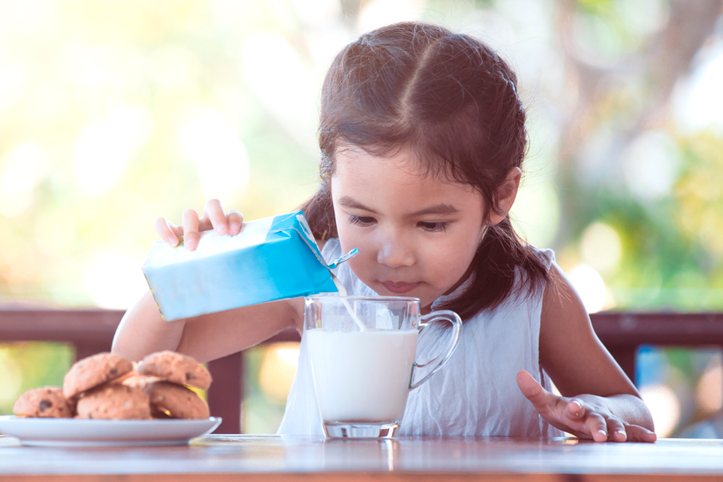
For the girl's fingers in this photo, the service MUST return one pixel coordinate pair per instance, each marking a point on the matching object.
(597, 427)
(192, 225)
(235, 222)
(578, 418)
(168, 231)
(639, 434)
(616, 430)
(190, 229)
(214, 218)
(575, 409)
(536, 394)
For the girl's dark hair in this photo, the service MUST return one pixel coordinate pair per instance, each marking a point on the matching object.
(452, 101)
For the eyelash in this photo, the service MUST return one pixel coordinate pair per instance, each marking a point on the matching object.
(436, 227)
(361, 220)
(366, 221)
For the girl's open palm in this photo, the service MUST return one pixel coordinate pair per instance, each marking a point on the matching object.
(584, 416)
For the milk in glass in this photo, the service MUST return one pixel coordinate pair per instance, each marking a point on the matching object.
(362, 375)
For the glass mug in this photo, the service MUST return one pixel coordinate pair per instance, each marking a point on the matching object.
(362, 353)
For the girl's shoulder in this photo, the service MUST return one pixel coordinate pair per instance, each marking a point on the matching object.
(526, 290)
(545, 255)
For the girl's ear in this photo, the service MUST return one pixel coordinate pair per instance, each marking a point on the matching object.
(506, 195)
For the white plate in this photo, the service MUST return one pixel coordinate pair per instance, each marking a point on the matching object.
(73, 432)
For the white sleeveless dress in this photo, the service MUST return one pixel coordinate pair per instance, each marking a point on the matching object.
(474, 393)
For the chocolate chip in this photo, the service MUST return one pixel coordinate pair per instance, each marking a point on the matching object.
(113, 371)
(90, 415)
(190, 376)
(45, 404)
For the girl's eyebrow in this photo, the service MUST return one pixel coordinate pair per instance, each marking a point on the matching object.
(443, 209)
(436, 209)
(350, 202)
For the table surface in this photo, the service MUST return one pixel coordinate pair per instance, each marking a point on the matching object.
(228, 457)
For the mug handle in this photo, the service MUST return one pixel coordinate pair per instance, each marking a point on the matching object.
(439, 360)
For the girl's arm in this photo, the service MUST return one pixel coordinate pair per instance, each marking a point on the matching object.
(206, 337)
(598, 400)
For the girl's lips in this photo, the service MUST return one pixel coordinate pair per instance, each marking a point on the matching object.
(399, 288)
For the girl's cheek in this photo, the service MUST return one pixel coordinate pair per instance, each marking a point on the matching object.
(362, 267)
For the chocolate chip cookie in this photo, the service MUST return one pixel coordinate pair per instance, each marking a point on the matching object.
(176, 368)
(93, 371)
(176, 401)
(43, 402)
(114, 401)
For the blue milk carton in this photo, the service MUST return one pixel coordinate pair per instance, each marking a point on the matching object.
(271, 259)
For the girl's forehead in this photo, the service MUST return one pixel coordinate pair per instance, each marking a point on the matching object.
(374, 176)
(371, 175)
(401, 161)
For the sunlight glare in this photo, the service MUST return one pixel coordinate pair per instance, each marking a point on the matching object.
(211, 141)
(698, 100)
(378, 13)
(590, 286)
(317, 11)
(21, 170)
(114, 281)
(13, 82)
(269, 62)
(104, 148)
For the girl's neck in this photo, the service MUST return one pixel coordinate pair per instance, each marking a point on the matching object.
(428, 309)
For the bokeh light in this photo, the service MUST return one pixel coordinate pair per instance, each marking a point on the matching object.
(114, 281)
(219, 155)
(601, 247)
(590, 286)
(22, 169)
(651, 165)
(278, 369)
(709, 390)
(664, 406)
(377, 13)
(270, 370)
(269, 62)
(536, 213)
(11, 378)
(698, 101)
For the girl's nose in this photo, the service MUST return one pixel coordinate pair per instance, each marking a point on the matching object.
(395, 254)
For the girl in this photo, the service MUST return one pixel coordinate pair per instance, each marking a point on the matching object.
(422, 137)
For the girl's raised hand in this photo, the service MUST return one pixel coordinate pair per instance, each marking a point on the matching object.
(213, 218)
(585, 416)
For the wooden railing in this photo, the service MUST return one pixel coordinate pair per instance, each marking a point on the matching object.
(91, 331)
(624, 332)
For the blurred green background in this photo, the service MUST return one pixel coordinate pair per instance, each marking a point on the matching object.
(115, 113)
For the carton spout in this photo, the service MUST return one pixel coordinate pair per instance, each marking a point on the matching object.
(344, 258)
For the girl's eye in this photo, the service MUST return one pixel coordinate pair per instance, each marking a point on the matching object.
(433, 227)
(361, 220)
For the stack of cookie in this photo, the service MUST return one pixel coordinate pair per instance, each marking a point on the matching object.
(89, 383)
(106, 386)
